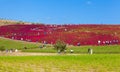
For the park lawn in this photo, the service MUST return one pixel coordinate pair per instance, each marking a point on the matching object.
(61, 63)
(15, 44)
(34, 47)
(114, 49)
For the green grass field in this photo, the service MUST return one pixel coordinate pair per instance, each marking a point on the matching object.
(104, 59)
(15, 44)
(114, 49)
(61, 63)
(34, 47)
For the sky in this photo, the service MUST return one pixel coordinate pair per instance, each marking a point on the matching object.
(62, 11)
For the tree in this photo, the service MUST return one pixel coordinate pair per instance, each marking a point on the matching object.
(60, 46)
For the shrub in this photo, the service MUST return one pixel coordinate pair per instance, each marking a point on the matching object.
(2, 48)
(60, 46)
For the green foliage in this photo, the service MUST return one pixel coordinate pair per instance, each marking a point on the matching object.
(2, 48)
(60, 46)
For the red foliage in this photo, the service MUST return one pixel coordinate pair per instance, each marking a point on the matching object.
(71, 34)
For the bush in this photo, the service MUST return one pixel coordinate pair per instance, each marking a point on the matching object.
(2, 48)
(60, 46)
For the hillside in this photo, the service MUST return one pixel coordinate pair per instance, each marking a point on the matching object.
(15, 44)
(9, 22)
(89, 34)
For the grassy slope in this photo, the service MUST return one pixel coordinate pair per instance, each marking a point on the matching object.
(8, 43)
(34, 47)
(82, 49)
(79, 63)
(98, 49)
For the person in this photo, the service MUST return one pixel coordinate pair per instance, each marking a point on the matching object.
(6, 50)
(16, 50)
(65, 29)
(99, 42)
(117, 41)
(71, 51)
(90, 51)
(11, 50)
(78, 44)
(41, 46)
(104, 42)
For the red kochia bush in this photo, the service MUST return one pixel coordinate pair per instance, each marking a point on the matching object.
(71, 34)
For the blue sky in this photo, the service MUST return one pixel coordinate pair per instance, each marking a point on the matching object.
(62, 11)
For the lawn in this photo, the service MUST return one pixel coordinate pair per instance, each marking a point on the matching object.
(34, 47)
(104, 59)
(15, 44)
(114, 49)
(61, 63)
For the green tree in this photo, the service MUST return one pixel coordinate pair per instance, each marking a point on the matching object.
(60, 46)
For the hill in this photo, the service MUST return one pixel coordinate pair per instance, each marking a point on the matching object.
(15, 44)
(86, 34)
(9, 22)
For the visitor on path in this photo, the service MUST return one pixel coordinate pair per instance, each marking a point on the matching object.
(71, 51)
(90, 51)
(16, 50)
(6, 50)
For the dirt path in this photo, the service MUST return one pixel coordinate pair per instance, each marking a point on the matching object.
(27, 54)
(31, 54)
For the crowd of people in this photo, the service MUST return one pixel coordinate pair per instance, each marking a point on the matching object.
(108, 42)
